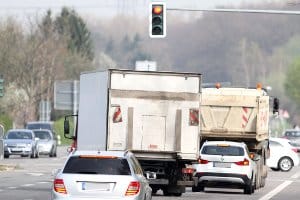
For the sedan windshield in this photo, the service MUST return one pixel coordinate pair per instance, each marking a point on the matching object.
(223, 150)
(19, 135)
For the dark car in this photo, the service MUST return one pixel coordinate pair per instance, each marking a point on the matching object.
(40, 125)
(294, 136)
(21, 142)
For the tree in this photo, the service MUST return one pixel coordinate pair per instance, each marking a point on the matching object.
(292, 81)
(72, 26)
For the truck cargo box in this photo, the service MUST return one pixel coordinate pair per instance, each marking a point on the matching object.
(235, 114)
(154, 114)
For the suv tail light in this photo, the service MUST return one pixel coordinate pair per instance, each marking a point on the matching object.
(133, 188)
(245, 162)
(59, 186)
(295, 150)
(202, 161)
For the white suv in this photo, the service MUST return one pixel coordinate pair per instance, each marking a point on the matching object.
(224, 163)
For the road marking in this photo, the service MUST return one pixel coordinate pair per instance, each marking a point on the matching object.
(27, 185)
(35, 174)
(44, 182)
(12, 188)
(280, 187)
(295, 176)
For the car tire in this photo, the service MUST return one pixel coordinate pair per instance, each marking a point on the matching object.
(275, 169)
(263, 182)
(285, 164)
(249, 188)
(37, 154)
(198, 188)
(6, 156)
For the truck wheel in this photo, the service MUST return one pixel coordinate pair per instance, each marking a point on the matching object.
(177, 194)
(285, 164)
(165, 192)
(154, 190)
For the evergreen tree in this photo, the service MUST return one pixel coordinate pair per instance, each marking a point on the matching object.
(71, 25)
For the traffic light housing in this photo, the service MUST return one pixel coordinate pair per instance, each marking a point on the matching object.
(157, 26)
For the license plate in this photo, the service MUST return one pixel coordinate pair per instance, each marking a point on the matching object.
(95, 186)
(16, 149)
(222, 164)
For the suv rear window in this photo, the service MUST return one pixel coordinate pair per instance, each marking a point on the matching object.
(223, 150)
(97, 165)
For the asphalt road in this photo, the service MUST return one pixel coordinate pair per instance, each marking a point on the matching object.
(31, 179)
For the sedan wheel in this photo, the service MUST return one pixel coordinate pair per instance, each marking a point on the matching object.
(285, 164)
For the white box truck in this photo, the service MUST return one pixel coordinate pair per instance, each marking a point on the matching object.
(153, 114)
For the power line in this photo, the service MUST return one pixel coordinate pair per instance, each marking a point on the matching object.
(286, 12)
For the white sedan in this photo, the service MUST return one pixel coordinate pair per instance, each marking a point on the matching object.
(283, 156)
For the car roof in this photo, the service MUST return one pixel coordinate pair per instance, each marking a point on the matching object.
(40, 122)
(121, 154)
(45, 130)
(19, 130)
(231, 143)
(281, 140)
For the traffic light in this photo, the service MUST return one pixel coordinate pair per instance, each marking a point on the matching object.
(157, 28)
(1, 86)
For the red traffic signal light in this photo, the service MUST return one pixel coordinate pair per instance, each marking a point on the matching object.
(157, 26)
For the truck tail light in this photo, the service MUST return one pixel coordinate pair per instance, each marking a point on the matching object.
(117, 115)
(188, 170)
(194, 117)
(133, 188)
(245, 162)
(59, 186)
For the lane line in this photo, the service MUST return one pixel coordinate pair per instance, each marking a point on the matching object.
(27, 185)
(295, 176)
(276, 190)
(280, 187)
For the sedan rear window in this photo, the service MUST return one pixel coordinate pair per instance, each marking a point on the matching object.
(223, 150)
(97, 165)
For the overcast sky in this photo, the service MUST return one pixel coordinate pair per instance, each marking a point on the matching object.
(101, 8)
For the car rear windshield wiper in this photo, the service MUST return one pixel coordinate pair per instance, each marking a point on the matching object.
(86, 172)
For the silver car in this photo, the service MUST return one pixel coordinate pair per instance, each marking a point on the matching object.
(101, 175)
(47, 144)
(20, 142)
